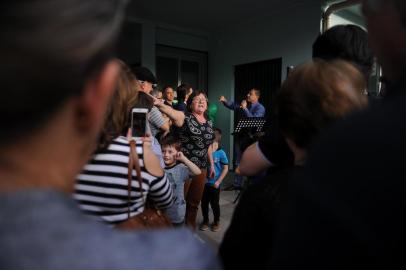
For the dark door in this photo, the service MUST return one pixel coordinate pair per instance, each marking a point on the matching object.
(264, 75)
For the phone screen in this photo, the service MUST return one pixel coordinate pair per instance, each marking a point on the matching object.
(138, 121)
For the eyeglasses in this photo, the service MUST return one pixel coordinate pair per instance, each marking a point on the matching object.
(154, 85)
(197, 100)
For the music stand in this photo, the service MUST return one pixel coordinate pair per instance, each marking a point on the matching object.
(253, 124)
(250, 122)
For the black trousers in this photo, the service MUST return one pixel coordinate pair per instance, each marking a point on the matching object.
(211, 196)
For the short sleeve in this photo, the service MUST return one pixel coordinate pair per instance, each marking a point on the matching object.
(223, 158)
(155, 118)
(185, 172)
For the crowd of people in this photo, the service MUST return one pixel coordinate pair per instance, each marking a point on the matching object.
(174, 155)
(332, 197)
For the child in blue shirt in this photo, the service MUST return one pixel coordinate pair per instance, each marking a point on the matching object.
(211, 193)
(178, 169)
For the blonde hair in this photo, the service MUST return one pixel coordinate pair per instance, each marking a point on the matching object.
(315, 95)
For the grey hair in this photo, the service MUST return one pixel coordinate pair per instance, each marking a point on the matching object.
(48, 50)
(155, 92)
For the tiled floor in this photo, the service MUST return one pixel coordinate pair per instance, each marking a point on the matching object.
(226, 209)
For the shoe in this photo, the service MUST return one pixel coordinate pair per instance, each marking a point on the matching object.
(215, 227)
(204, 226)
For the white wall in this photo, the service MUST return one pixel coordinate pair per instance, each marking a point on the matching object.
(287, 33)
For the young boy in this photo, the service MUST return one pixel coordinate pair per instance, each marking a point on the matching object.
(178, 169)
(211, 193)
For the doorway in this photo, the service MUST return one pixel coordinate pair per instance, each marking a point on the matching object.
(264, 75)
(175, 66)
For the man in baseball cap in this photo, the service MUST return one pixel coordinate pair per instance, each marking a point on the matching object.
(146, 79)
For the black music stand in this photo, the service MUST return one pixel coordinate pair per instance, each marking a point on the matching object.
(248, 125)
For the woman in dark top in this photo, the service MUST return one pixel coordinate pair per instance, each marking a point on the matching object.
(314, 96)
(196, 136)
(183, 92)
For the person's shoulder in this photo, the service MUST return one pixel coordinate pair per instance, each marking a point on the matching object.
(154, 109)
(80, 237)
(361, 141)
(188, 115)
(154, 246)
(149, 250)
(221, 152)
(119, 145)
(180, 106)
(367, 125)
(183, 168)
(120, 140)
(260, 105)
(178, 167)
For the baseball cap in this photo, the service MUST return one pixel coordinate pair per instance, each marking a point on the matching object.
(144, 74)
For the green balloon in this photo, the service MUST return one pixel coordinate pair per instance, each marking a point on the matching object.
(212, 111)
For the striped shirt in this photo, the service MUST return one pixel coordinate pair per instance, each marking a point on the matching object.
(102, 187)
(155, 120)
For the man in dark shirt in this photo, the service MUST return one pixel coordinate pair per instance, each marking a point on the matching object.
(347, 210)
(168, 95)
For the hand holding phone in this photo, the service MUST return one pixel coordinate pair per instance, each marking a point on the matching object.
(139, 122)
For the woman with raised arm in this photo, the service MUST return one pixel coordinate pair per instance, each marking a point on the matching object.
(196, 136)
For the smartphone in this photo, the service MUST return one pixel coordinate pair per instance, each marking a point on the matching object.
(139, 122)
